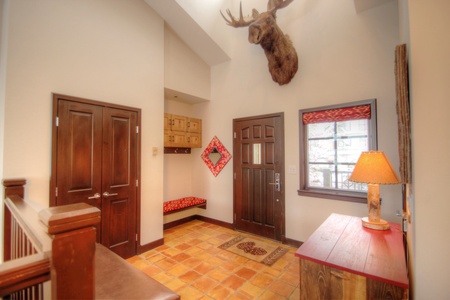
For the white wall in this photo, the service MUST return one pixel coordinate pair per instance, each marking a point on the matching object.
(4, 8)
(429, 78)
(4, 4)
(184, 70)
(343, 56)
(106, 50)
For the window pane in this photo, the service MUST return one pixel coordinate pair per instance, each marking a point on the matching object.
(257, 154)
(321, 151)
(341, 150)
(321, 130)
(352, 128)
(321, 176)
(349, 150)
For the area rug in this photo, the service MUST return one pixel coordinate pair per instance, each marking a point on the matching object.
(254, 249)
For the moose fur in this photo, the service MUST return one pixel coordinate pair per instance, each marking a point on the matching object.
(278, 48)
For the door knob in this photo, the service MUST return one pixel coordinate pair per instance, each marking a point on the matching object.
(96, 196)
(106, 194)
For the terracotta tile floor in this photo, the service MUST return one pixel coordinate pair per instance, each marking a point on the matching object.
(191, 264)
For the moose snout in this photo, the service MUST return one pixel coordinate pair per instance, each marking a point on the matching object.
(254, 34)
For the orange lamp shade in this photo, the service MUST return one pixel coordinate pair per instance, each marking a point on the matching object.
(374, 167)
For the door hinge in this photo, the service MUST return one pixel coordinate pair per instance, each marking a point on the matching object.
(57, 121)
(56, 192)
(136, 237)
(137, 183)
(137, 129)
(234, 134)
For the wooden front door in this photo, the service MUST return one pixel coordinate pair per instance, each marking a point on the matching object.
(258, 154)
(96, 160)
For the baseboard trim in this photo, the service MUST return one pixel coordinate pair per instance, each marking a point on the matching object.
(291, 242)
(215, 222)
(198, 217)
(147, 247)
(179, 222)
(160, 242)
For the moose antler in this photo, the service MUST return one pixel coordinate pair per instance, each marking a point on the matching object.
(263, 30)
(274, 5)
(237, 23)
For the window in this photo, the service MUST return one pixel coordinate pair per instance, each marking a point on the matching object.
(331, 141)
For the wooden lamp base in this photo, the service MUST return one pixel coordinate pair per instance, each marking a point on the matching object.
(373, 221)
(380, 225)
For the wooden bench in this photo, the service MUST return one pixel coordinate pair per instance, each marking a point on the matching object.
(173, 206)
(57, 245)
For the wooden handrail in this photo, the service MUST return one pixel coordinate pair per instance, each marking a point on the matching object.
(26, 215)
(24, 272)
(56, 243)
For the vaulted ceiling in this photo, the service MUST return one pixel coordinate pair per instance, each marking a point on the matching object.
(189, 30)
(177, 15)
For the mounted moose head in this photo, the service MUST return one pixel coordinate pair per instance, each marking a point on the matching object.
(263, 30)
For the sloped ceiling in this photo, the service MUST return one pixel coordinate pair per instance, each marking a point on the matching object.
(190, 31)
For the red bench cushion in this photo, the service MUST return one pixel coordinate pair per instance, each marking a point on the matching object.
(182, 203)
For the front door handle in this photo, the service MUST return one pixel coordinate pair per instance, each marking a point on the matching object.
(106, 194)
(277, 182)
(96, 196)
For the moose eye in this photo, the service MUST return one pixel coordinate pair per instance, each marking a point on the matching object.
(268, 20)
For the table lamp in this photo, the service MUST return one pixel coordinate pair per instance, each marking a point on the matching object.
(374, 168)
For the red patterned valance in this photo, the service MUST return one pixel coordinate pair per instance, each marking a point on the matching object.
(338, 114)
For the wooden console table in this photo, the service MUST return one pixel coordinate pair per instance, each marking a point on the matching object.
(344, 260)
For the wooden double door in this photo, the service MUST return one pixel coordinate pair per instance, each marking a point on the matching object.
(95, 159)
(258, 156)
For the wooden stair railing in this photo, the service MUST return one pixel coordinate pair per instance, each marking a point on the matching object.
(56, 244)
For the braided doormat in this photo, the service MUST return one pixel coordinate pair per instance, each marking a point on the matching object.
(254, 249)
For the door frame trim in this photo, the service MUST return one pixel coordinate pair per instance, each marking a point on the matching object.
(52, 192)
(282, 173)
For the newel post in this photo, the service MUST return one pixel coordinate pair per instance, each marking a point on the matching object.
(73, 249)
